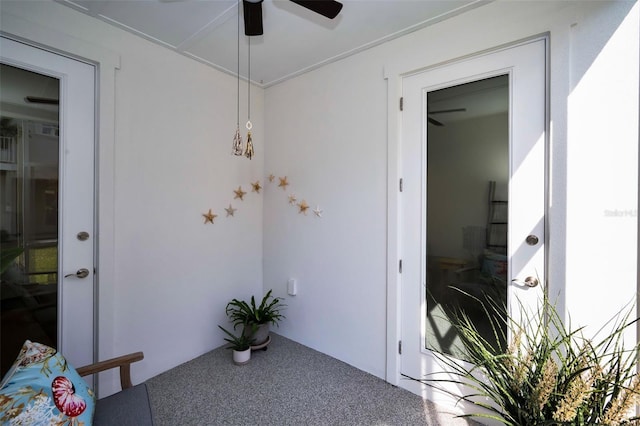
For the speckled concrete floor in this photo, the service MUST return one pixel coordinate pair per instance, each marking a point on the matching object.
(288, 384)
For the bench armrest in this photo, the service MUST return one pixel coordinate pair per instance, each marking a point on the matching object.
(123, 362)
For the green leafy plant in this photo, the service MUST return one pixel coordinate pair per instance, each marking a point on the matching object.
(549, 374)
(237, 343)
(248, 314)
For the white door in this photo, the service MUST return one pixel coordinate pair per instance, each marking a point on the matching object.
(47, 178)
(472, 210)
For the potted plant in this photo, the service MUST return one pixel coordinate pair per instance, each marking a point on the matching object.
(551, 374)
(241, 346)
(255, 319)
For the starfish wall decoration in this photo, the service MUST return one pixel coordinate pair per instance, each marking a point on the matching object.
(283, 183)
(239, 193)
(230, 210)
(209, 217)
(302, 206)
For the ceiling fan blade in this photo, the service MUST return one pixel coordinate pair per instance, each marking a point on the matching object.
(448, 110)
(326, 8)
(434, 122)
(37, 100)
(252, 17)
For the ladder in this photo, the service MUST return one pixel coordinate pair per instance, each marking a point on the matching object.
(497, 221)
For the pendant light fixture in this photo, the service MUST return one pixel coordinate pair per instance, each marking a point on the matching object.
(238, 148)
(248, 152)
(237, 139)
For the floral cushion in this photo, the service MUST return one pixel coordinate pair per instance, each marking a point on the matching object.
(42, 388)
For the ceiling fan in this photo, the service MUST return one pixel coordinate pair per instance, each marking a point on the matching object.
(435, 122)
(253, 12)
(39, 100)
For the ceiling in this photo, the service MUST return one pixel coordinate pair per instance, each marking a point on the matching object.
(295, 39)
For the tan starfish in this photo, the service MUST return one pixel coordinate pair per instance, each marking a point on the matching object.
(209, 217)
(283, 183)
(239, 193)
(303, 207)
(230, 210)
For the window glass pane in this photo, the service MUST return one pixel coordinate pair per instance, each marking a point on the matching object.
(467, 207)
(29, 160)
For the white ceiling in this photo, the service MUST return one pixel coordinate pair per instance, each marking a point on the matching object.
(295, 39)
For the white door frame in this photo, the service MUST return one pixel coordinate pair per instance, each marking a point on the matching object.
(394, 77)
(18, 26)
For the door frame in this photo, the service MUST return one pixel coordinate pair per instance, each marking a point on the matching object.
(394, 75)
(20, 28)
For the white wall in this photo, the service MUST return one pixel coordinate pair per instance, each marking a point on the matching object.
(602, 164)
(166, 127)
(324, 133)
(328, 131)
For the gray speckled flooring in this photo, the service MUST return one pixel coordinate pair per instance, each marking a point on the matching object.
(288, 384)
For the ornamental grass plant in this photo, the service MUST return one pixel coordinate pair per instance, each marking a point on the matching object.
(549, 374)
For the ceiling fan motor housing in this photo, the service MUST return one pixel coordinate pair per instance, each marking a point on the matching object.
(253, 12)
(252, 17)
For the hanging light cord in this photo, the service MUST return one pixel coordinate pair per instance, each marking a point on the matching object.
(249, 84)
(238, 68)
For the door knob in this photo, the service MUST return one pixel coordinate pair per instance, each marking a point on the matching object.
(80, 273)
(529, 282)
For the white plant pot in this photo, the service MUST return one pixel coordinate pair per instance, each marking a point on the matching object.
(241, 357)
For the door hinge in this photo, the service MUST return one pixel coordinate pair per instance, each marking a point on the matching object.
(401, 104)
(400, 347)
(400, 266)
(401, 185)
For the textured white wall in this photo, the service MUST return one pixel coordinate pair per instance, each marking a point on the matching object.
(166, 127)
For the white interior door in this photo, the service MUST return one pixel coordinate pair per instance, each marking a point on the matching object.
(47, 173)
(472, 210)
